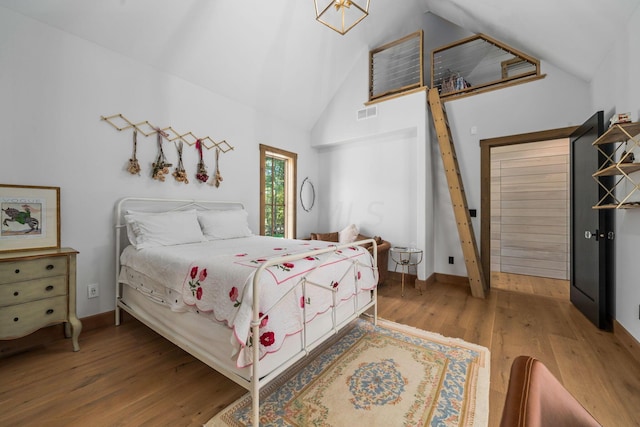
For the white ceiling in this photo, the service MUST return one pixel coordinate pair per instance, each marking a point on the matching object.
(274, 56)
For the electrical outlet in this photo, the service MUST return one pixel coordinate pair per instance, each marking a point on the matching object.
(92, 291)
(450, 260)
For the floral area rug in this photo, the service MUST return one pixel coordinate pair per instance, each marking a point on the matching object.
(385, 375)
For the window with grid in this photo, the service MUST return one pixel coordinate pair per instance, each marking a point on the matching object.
(277, 195)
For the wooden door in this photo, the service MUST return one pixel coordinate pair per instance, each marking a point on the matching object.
(530, 209)
(592, 256)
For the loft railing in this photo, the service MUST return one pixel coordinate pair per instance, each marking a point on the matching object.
(396, 67)
(479, 64)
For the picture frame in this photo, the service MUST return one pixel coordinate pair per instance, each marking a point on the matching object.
(29, 217)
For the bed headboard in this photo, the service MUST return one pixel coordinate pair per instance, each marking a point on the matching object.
(151, 205)
(141, 204)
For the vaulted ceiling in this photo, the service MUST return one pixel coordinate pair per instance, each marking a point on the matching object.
(273, 55)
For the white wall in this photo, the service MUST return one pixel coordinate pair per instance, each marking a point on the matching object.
(557, 101)
(54, 89)
(371, 184)
(376, 172)
(616, 89)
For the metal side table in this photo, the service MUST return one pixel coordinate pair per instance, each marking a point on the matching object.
(405, 258)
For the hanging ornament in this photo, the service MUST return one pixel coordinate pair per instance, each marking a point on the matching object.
(179, 173)
(134, 166)
(160, 166)
(217, 178)
(201, 174)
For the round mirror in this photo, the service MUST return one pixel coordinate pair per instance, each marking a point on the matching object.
(307, 195)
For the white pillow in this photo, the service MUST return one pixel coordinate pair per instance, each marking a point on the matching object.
(228, 224)
(148, 230)
(348, 235)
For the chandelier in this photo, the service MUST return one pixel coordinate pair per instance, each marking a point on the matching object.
(341, 15)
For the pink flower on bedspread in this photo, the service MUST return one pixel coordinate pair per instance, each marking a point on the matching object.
(286, 266)
(334, 284)
(194, 284)
(267, 339)
(233, 296)
(302, 302)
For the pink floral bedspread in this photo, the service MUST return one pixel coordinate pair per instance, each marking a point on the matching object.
(223, 285)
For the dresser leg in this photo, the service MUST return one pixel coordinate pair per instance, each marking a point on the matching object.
(72, 330)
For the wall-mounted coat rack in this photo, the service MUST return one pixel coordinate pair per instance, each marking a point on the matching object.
(120, 122)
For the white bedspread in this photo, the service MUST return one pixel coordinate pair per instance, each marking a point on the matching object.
(216, 278)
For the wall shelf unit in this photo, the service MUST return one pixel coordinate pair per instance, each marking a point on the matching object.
(627, 136)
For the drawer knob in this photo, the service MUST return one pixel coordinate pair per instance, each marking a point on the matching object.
(50, 311)
(49, 288)
(17, 271)
(15, 319)
(16, 293)
(50, 267)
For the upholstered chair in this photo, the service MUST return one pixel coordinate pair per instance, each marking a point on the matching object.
(383, 250)
(535, 398)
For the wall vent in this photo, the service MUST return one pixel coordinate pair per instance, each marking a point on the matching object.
(367, 113)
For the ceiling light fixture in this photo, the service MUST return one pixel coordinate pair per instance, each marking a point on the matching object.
(341, 15)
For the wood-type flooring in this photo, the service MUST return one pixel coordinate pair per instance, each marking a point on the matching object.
(130, 376)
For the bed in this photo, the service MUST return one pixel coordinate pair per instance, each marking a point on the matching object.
(189, 270)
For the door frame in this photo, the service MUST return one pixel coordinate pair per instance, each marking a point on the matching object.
(485, 183)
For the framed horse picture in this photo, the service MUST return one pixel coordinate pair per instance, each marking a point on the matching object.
(29, 217)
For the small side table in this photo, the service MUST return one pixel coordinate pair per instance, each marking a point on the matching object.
(405, 258)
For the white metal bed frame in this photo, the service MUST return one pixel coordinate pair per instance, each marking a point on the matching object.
(255, 381)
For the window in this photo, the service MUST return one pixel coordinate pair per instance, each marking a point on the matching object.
(277, 192)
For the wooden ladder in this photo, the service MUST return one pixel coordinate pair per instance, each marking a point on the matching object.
(458, 197)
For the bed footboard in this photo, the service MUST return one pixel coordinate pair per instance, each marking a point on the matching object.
(256, 385)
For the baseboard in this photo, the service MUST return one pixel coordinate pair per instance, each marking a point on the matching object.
(98, 321)
(628, 341)
(52, 333)
(412, 279)
(422, 284)
(409, 279)
(451, 279)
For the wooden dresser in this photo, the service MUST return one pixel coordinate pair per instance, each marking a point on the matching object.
(38, 289)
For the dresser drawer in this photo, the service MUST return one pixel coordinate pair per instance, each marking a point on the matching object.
(31, 290)
(32, 269)
(22, 319)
